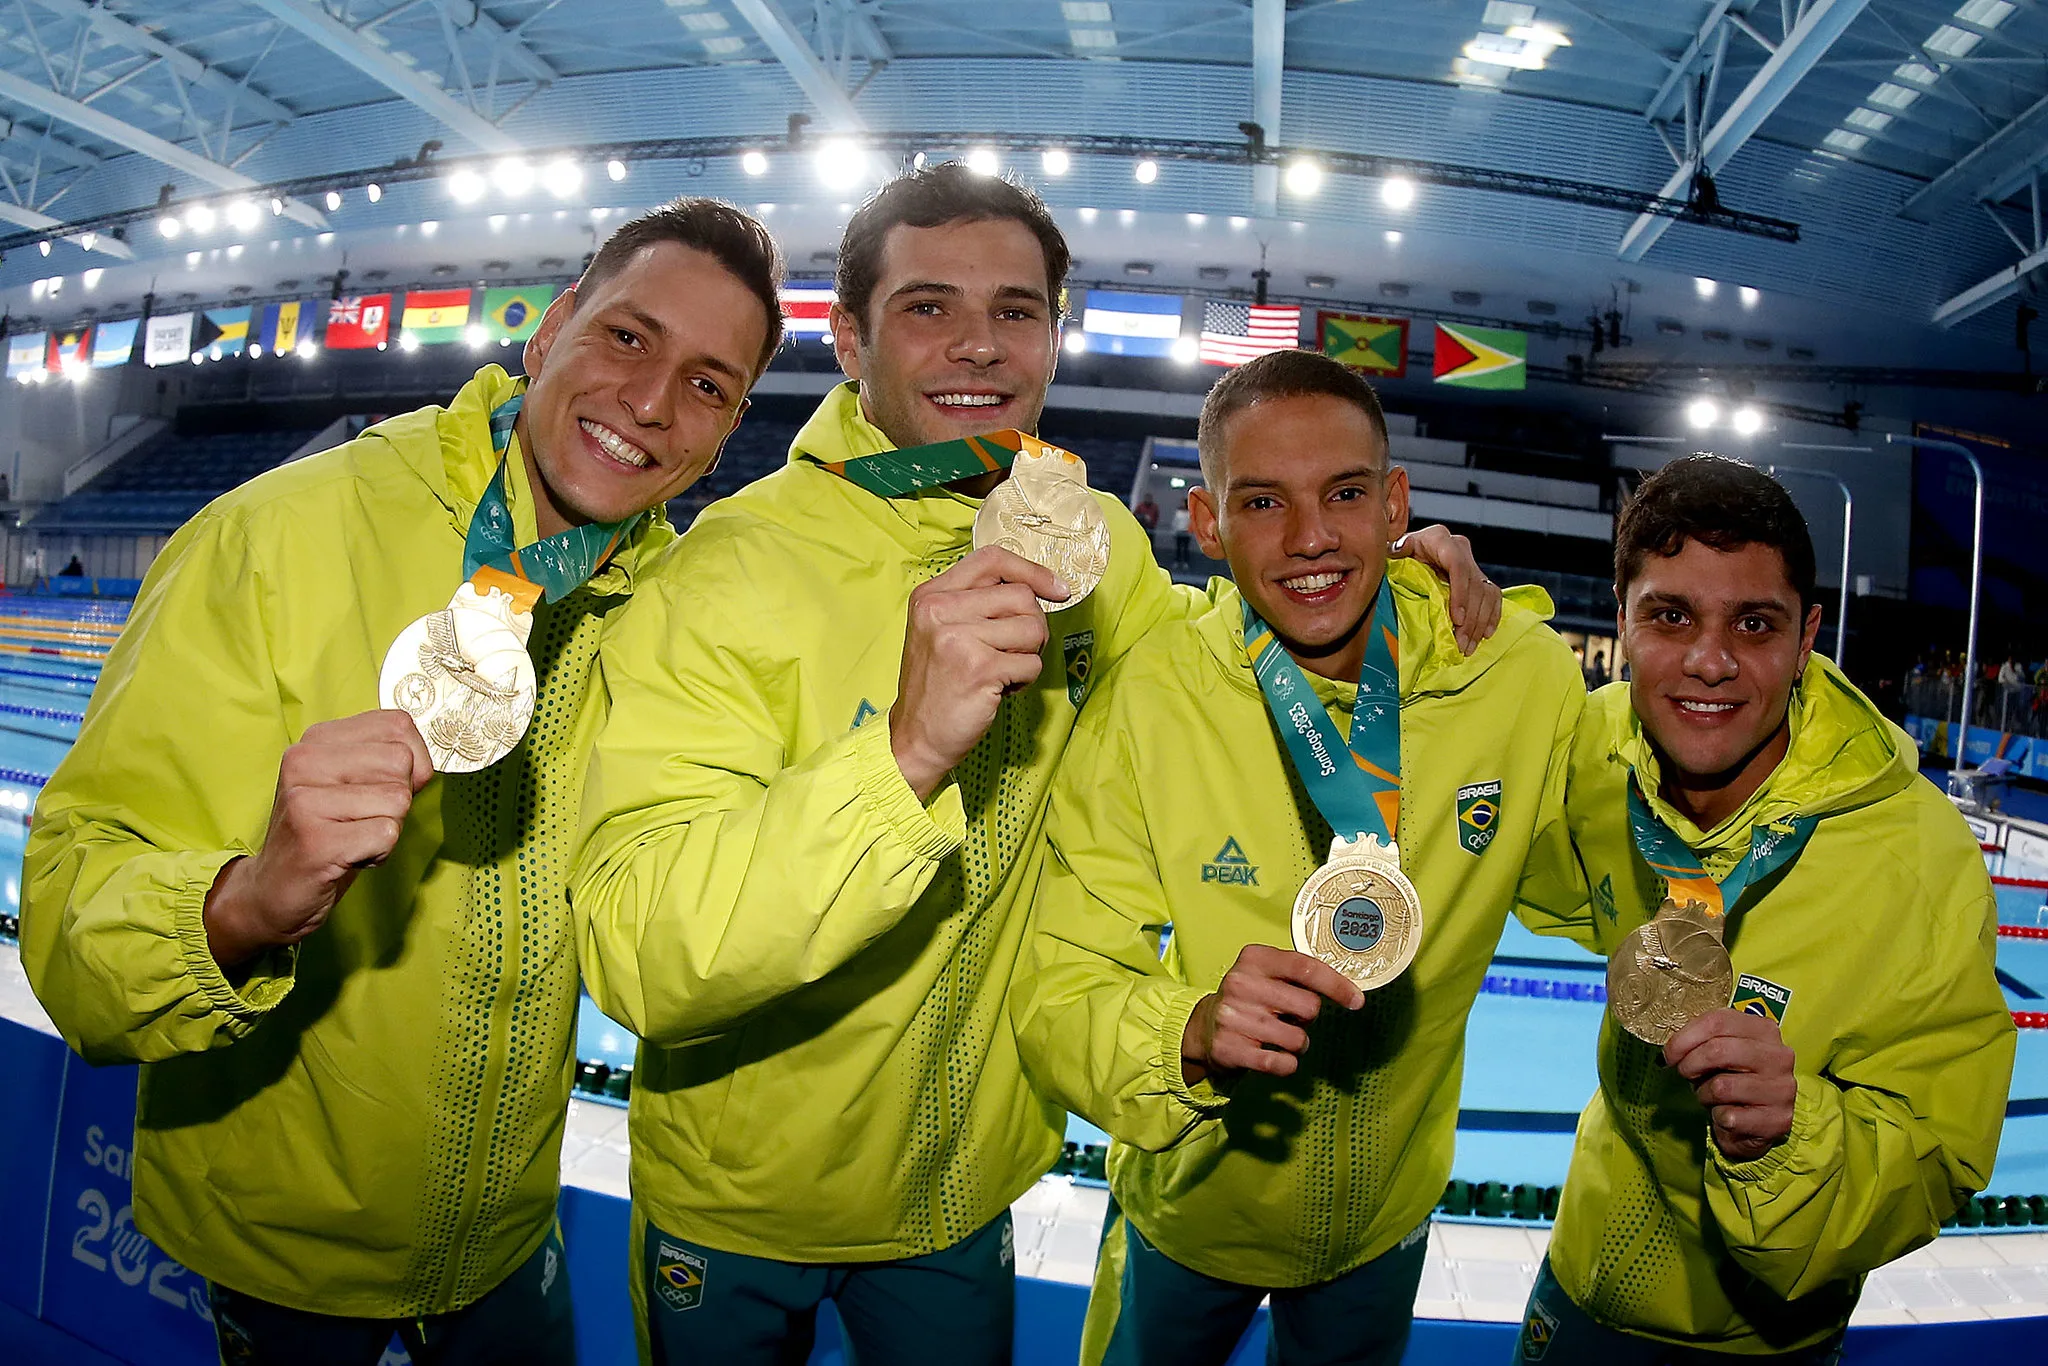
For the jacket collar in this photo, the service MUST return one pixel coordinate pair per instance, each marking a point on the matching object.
(928, 522)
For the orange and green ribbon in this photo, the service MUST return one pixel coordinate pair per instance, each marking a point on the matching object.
(1771, 847)
(888, 473)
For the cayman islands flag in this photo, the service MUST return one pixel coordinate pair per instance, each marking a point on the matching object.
(1482, 357)
(1376, 345)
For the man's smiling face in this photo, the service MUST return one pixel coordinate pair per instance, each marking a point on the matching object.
(960, 337)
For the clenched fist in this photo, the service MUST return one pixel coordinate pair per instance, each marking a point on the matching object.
(343, 792)
(1257, 1018)
(973, 635)
(1741, 1070)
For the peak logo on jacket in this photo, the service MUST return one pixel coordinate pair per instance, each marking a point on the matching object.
(1230, 867)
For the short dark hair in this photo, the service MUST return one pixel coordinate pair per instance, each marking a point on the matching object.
(1716, 501)
(732, 237)
(1281, 374)
(932, 197)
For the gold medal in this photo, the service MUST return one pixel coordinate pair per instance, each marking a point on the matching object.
(1045, 513)
(464, 677)
(1668, 973)
(1359, 913)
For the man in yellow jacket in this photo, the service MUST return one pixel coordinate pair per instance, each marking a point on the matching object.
(812, 824)
(351, 983)
(1729, 1191)
(1265, 1143)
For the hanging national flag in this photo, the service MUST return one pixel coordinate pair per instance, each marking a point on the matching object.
(167, 340)
(807, 309)
(435, 316)
(25, 354)
(357, 322)
(223, 332)
(1116, 323)
(513, 314)
(114, 343)
(1376, 345)
(284, 326)
(1234, 333)
(69, 348)
(1482, 357)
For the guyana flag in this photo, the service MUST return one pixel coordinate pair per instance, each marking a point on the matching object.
(1482, 357)
(1376, 345)
(435, 316)
(513, 314)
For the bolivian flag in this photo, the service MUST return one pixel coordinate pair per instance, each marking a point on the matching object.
(1376, 345)
(1482, 357)
(514, 314)
(435, 316)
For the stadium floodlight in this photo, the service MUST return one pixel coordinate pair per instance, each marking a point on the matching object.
(1186, 350)
(466, 186)
(200, 218)
(1747, 421)
(307, 350)
(1397, 192)
(88, 240)
(45, 245)
(616, 169)
(562, 177)
(841, 163)
(255, 350)
(409, 341)
(276, 206)
(1075, 342)
(92, 277)
(1304, 177)
(753, 162)
(1704, 287)
(982, 161)
(169, 225)
(476, 336)
(333, 200)
(243, 215)
(1750, 296)
(1055, 161)
(1146, 171)
(512, 176)
(1702, 413)
(374, 191)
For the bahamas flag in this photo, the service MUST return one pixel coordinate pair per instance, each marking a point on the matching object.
(284, 326)
(223, 332)
(1482, 357)
(1378, 346)
(512, 315)
(435, 316)
(114, 343)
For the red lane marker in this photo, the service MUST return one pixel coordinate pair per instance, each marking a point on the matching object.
(2031, 1019)
(2023, 931)
(1991, 848)
(2019, 882)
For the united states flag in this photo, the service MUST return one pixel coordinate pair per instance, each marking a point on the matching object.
(1235, 333)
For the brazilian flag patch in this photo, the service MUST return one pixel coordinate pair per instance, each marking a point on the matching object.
(679, 1276)
(1478, 815)
(1762, 997)
(1538, 1331)
(1080, 653)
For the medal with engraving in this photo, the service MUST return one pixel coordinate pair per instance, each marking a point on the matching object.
(1358, 912)
(1045, 513)
(463, 673)
(1676, 968)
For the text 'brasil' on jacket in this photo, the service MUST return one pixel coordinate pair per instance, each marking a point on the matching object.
(816, 963)
(369, 1124)
(1178, 807)
(1876, 948)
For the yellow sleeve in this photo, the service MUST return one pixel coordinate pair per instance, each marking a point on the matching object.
(716, 871)
(1552, 897)
(170, 779)
(1099, 1020)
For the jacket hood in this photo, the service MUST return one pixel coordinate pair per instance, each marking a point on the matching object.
(927, 521)
(1844, 754)
(1430, 660)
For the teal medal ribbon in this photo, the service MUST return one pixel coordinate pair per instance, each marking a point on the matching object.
(1771, 847)
(1355, 784)
(558, 564)
(889, 473)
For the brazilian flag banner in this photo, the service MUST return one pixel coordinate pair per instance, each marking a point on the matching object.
(1482, 357)
(512, 315)
(1376, 345)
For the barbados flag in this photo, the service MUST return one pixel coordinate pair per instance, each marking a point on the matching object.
(512, 315)
(285, 325)
(435, 316)
(1482, 357)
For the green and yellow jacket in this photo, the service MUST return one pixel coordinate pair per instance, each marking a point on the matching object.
(1877, 945)
(369, 1123)
(1179, 810)
(814, 961)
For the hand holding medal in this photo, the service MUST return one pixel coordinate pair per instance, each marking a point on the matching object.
(1045, 513)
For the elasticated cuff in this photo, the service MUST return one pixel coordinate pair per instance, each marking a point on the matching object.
(1805, 1119)
(932, 829)
(1202, 1098)
(271, 973)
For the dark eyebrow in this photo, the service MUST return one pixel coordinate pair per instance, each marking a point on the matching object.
(1762, 605)
(1036, 296)
(1363, 472)
(653, 325)
(926, 287)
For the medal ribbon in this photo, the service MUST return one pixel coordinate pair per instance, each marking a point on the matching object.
(551, 568)
(1363, 796)
(888, 473)
(1771, 847)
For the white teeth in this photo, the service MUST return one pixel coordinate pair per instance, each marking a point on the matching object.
(967, 400)
(1312, 583)
(616, 446)
(1707, 708)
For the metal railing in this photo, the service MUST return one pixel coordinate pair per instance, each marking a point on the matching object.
(2015, 708)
